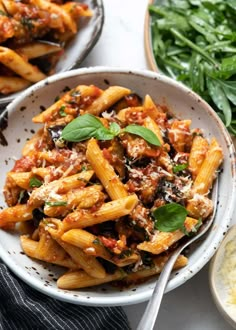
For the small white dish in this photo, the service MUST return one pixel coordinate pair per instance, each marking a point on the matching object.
(222, 277)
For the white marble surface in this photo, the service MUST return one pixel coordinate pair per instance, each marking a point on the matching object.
(189, 307)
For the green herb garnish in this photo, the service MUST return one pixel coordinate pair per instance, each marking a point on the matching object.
(170, 217)
(34, 182)
(57, 203)
(62, 112)
(27, 22)
(97, 241)
(194, 229)
(179, 167)
(194, 41)
(89, 126)
(2, 13)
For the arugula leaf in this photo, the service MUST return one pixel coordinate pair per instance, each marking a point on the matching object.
(218, 96)
(170, 217)
(143, 132)
(56, 203)
(34, 182)
(194, 41)
(232, 4)
(229, 88)
(191, 45)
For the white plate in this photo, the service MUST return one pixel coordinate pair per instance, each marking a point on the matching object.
(82, 43)
(184, 104)
(220, 288)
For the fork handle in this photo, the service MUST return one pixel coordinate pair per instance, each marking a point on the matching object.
(149, 317)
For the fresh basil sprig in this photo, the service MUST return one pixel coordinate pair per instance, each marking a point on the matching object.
(88, 126)
(143, 132)
(169, 217)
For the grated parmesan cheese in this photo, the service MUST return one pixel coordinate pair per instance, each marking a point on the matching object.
(228, 270)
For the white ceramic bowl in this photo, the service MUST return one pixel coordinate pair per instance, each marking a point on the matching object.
(222, 266)
(78, 48)
(181, 101)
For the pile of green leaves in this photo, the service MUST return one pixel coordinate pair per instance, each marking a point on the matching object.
(194, 41)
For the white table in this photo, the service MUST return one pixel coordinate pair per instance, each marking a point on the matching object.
(189, 307)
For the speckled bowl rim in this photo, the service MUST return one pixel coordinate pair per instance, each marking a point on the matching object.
(218, 235)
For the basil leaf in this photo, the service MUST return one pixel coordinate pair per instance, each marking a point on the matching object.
(103, 133)
(81, 128)
(144, 133)
(114, 128)
(169, 217)
(34, 182)
(57, 203)
(179, 167)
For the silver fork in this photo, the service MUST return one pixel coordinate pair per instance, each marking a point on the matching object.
(149, 317)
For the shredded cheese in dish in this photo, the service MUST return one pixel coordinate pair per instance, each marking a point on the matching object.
(108, 186)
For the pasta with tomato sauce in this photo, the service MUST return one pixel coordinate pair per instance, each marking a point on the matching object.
(33, 36)
(109, 185)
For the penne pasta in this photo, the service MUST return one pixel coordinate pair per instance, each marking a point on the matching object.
(197, 154)
(97, 193)
(110, 96)
(163, 240)
(37, 49)
(30, 247)
(81, 93)
(108, 211)
(21, 179)
(88, 263)
(80, 279)
(34, 36)
(10, 85)
(20, 66)
(17, 213)
(207, 172)
(151, 124)
(159, 263)
(32, 143)
(104, 171)
(77, 198)
(54, 188)
(88, 242)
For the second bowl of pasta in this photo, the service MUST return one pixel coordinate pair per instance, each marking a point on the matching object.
(43, 38)
(108, 172)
